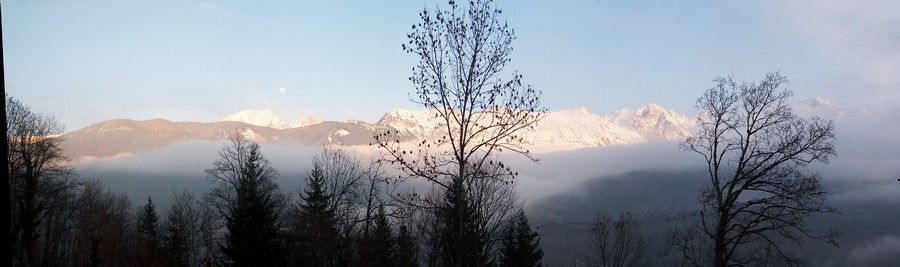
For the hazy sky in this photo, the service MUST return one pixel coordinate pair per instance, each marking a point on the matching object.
(88, 61)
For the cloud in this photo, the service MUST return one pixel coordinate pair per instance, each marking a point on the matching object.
(653, 178)
(862, 36)
(878, 252)
(282, 90)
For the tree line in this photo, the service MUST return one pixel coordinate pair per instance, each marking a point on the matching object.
(353, 214)
(344, 215)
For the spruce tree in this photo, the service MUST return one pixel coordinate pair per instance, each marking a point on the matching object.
(316, 224)
(382, 242)
(456, 238)
(407, 248)
(521, 245)
(148, 230)
(254, 237)
(149, 223)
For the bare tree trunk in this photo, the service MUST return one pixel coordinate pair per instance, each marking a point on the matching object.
(720, 258)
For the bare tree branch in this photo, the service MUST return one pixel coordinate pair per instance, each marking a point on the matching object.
(756, 149)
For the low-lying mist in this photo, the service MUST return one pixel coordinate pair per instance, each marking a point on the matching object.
(181, 166)
(565, 190)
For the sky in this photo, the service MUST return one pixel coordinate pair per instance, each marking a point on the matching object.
(187, 60)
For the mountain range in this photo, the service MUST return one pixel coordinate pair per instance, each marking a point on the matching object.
(557, 130)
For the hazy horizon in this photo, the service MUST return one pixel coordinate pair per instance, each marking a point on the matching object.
(767, 114)
(203, 60)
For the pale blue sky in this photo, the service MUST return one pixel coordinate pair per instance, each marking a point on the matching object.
(88, 61)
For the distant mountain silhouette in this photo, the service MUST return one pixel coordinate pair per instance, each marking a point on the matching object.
(559, 130)
(113, 137)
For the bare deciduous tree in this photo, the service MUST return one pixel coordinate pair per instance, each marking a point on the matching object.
(618, 242)
(756, 148)
(375, 185)
(249, 201)
(57, 229)
(462, 54)
(344, 181)
(104, 230)
(39, 178)
(689, 242)
(345, 178)
(459, 78)
(496, 203)
(181, 234)
(230, 167)
(493, 202)
(212, 232)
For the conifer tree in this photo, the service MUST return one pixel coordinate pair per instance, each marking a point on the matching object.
(521, 245)
(249, 201)
(315, 225)
(254, 238)
(455, 238)
(382, 242)
(407, 248)
(176, 241)
(149, 224)
(148, 231)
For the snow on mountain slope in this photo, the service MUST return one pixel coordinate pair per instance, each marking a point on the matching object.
(581, 128)
(113, 137)
(417, 123)
(263, 117)
(307, 121)
(654, 122)
(569, 128)
(559, 130)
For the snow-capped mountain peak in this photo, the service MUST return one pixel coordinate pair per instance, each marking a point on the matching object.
(558, 130)
(579, 127)
(654, 122)
(416, 123)
(307, 121)
(262, 117)
(568, 128)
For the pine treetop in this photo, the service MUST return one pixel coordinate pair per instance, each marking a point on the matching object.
(315, 197)
(149, 222)
(521, 245)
